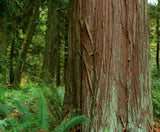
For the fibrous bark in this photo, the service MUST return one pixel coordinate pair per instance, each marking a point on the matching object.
(108, 64)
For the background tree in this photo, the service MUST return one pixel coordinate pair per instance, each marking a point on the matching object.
(158, 35)
(154, 48)
(26, 43)
(154, 38)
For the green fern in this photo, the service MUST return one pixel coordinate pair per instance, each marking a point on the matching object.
(18, 4)
(43, 113)
(21, 108)
(2, 94)
(21, 127)
(65, 127)
(156, 97)
(13, 123)
(3, 124)
(3, 110)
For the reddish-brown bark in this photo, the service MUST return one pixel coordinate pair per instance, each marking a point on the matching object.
(108, 64)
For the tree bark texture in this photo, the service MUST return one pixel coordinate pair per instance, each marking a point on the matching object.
(108, 64)
(26, 44)
(50, 54)
(53, 40)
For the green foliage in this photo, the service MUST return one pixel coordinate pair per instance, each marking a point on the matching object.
(106, 130)
(12, 6)
(35, 107)
(156, 97)
(67, 125)
(43, 113)
(3, 124)
(153, 20)
(21, 127)
(1, 76)
(3, 110)
(22, 109)
(22, 116)
(2, 93)
(155, 74)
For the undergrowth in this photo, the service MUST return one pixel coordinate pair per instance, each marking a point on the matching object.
(35, 108)
(156, 98)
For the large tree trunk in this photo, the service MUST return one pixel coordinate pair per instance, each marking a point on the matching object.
(108, 64)
(26, 44)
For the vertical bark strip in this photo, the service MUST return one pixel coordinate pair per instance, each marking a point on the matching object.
(108, 64)
(66, 47)
(58, 68)
(11, 60)
(158, 37)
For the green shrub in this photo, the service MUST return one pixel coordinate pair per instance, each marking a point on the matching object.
(156, 97)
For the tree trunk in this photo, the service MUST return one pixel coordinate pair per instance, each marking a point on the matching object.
(45, 66)
(158, 37)
(11, 61)
(108, 65)
(26, 44)
(3, 52)
(58, 69)
(66, 48)
(50, 55)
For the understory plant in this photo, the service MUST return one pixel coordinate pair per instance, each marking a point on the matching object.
(156, 97)
(37, 107)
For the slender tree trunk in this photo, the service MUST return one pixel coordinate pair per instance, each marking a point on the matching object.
(11, 61)
(54, 44)
(45, 66)
(58, 69)
(26, 44)
(66, 48)
(3, 52)
(108, 65)
(50, 55)
(158, 37)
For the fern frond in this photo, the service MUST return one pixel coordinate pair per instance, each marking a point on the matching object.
(21, 126)
(43, 113)
(4, 110)
(19, 4)
(65, 127)
(3, 124)
(21, 108)
(2, 96)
